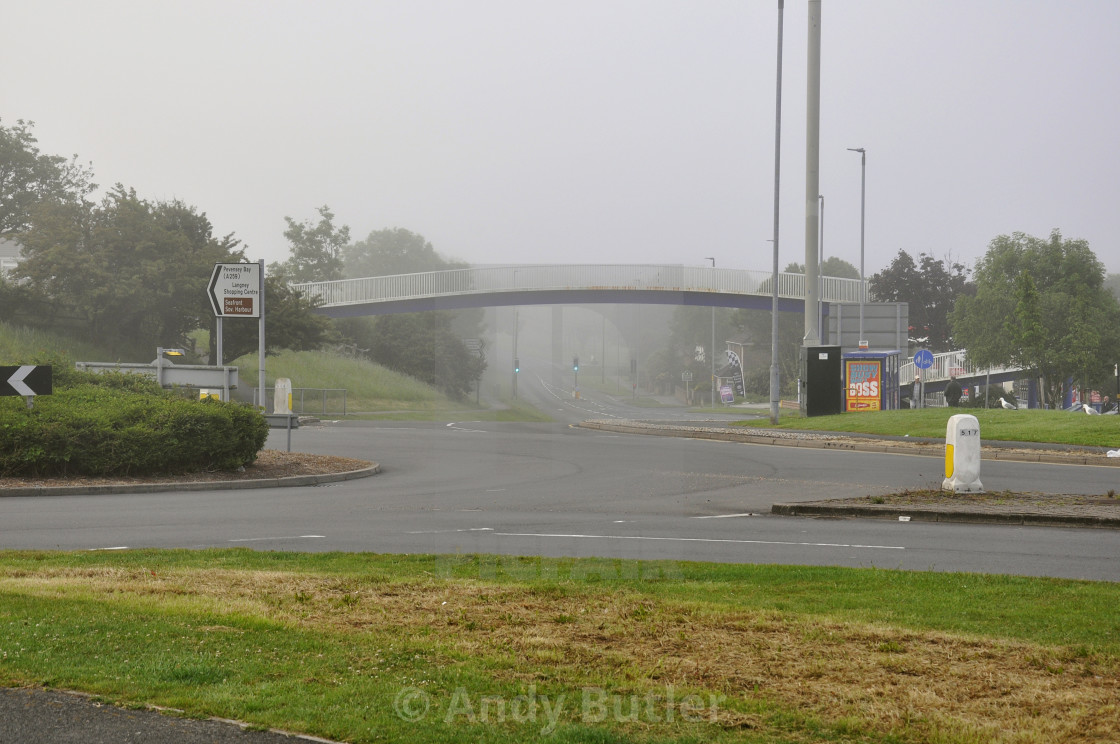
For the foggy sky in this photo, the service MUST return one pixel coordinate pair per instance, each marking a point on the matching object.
(597, 131)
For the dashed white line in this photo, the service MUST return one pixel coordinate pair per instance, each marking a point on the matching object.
(701, 540)
(643, 537)
(661, 539)
(454, 426)
(265, 539)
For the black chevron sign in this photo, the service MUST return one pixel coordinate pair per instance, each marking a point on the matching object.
(29, 379)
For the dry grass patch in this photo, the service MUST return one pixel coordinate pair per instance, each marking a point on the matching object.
(920, 686)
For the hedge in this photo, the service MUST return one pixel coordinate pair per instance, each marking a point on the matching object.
(99, 429)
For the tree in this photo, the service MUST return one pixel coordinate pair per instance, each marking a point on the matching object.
(395, 251)
(316, 249)
(1042, 305)
(290, 323)
(831, 266)
(1112, 283)
(930, 289)
(689, 345)
(134, 271)
(791, 328)
(423, 346)
(400, 251)
(29, 178)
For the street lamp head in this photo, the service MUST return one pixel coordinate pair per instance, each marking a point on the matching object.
(857, 149)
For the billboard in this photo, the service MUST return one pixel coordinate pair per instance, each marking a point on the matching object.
(865, 384)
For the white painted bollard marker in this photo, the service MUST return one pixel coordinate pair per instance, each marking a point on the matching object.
(962, 455)
(282, 398)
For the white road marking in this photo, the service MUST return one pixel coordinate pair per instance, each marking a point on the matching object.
(663, 539)
(119, 547)
(702, 540)
(264, 539)
(726, 516)
(456, 427)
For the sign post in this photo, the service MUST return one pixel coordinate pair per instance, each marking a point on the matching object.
(923, 359)
(237, 290)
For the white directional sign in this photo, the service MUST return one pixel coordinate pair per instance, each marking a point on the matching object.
(27, 380)
(235, 290)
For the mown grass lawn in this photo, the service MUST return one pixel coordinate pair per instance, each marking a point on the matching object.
(1060, 427)
(500, 649)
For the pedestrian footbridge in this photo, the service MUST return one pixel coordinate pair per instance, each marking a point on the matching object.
(569, 284)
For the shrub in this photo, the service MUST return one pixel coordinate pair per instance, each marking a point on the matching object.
(105, 429)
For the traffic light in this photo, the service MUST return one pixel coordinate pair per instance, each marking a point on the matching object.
(516, 365)
(575, 364)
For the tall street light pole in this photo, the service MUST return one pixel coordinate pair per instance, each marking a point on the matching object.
(713, 352)
(862, 223)
(820, 262)
(775, 391)
(811, 336)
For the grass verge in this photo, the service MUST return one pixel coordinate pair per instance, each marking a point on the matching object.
(501, 649)
(1059, 427)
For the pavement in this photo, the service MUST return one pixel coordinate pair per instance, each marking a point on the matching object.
(39, 716)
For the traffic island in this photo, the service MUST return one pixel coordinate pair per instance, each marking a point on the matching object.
(1048, 510)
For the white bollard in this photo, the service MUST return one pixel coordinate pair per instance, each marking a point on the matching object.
(282, 399)
(962, 455)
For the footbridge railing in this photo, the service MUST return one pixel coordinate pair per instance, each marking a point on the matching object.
(952, 364)
(553, 277)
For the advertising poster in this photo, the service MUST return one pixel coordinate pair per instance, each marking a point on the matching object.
(864, 385)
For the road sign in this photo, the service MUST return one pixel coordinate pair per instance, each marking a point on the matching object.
(686, 377)
(923, 359)
(235, 290)
(27, 380)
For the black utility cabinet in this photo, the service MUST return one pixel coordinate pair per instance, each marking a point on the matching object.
(822, 380)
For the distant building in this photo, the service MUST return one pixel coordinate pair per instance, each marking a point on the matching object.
(9, 256)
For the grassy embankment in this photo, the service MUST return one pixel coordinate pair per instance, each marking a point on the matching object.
(369, 387)
(20, 345)
(465, 649)
(1061, 427)
(373, 391)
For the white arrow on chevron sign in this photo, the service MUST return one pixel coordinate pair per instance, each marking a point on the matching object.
(16, 380)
